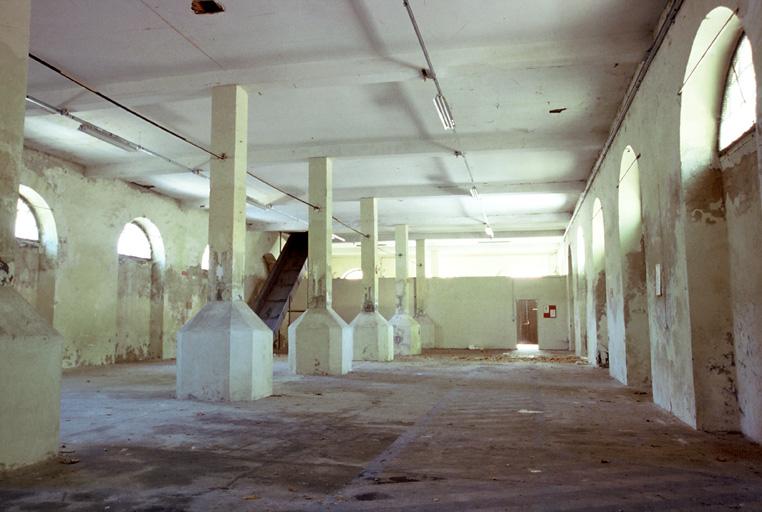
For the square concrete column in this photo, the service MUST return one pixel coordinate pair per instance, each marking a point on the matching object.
(225, 352)
(407, 332)
(320, 341)
(30, 349)
(372, 334)
(421, 288)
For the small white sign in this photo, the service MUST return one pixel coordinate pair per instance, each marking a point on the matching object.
(657, 280)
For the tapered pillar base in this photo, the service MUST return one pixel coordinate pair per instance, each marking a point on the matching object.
(30, 380)
(320, 343)
(407, 335)
(373, 337)
(225, 353)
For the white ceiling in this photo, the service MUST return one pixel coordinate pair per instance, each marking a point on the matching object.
(342, 79)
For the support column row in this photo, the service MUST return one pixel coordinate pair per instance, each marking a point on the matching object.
(407, 332)
(373, 336)
(225, 352)
(421, 291)
(320, 341)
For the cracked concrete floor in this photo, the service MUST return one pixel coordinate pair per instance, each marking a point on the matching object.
(450, 430)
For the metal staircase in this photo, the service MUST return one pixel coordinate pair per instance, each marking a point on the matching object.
(272, 302)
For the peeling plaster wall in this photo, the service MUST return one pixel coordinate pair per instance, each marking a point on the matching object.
(27, 270)
(744, 217)
(466, 310)
(341, 264)
(257, 245)
(133, 314)
(100, 325)
(652, 128)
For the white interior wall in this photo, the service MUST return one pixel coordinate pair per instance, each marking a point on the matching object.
(466, 311)
(456, 261)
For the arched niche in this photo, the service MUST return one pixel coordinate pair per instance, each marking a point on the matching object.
(581, 297)
(598, 328)
(140, 294)
(738, 151)
(571, 284)
(634, 301)
(42, 259)
(705, 229)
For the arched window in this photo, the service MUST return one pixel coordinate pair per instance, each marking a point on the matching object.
(630, 223)
(134, 242)
(739, 102)
(354, 274)
(26, 222)
(205, 259)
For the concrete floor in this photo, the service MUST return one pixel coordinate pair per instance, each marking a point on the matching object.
(449, 430)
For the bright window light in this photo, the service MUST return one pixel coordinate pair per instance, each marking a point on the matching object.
(739, 105)
(354, 274)
(205, 259)
(134, 242)
(26, 223)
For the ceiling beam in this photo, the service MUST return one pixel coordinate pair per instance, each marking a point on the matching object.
(445, 226)
(435, 146)
(351, 195)
(386, 236)
(457, 189)
(401, 67)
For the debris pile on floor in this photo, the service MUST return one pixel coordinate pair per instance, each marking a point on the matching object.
(498, 356)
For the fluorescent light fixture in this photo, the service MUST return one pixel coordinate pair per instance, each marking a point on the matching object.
(474, 192)
(337, 237)
(108, 137)
(44, 106)
(443, 110)
(488, 231)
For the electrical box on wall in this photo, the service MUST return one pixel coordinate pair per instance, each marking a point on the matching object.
(550, 311)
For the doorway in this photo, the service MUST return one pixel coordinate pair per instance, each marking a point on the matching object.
(526, 310)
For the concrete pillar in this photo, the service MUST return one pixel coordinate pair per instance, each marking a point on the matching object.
(225, 352)
(30, 349)
(421, 288)
(320, 341)
(373, 336)
(407, 332)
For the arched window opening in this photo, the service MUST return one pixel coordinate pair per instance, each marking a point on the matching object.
(630, 223)
(26, 223)
(134, 242)
(739, 102)
(205, 259)
(354, 274)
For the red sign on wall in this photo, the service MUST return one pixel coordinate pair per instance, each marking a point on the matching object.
(550, 311)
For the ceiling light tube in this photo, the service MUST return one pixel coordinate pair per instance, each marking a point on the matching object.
(108, 137)
(488, 231)
(44, 106)
(337, 237)
(443, 110)
(474, 192)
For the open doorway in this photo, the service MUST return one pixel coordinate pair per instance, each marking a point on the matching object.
(526, 314)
